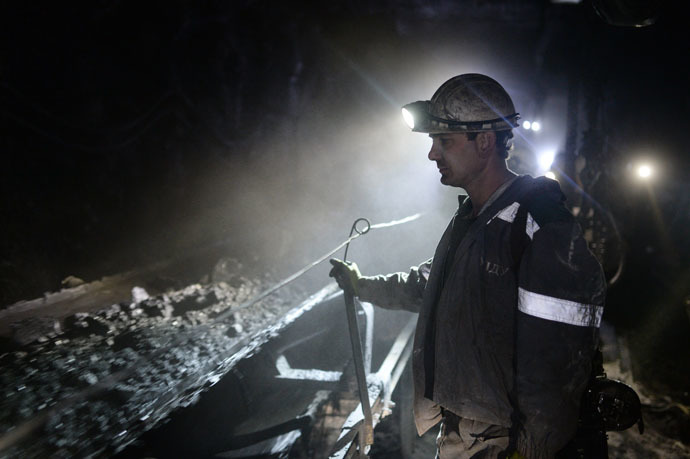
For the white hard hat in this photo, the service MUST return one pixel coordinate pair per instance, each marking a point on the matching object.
(466, 103)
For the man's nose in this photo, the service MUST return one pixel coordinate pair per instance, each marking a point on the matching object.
(434, 152)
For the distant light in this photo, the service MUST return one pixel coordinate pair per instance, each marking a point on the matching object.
(550, 175)
(536, 126)
(644, 171)
(526, 124)
(407, 116)
(545, 159)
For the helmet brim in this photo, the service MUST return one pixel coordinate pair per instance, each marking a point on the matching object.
(418, 118)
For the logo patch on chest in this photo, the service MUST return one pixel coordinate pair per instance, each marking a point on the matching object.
(495, 268)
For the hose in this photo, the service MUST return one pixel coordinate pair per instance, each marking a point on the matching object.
(355, 232)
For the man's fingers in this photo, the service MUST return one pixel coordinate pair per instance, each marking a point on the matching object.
(337, 268)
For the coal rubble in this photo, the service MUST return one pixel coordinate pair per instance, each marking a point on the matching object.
(94, 382)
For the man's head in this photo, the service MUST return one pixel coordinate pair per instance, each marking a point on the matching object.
(469, 119)
(463, 158)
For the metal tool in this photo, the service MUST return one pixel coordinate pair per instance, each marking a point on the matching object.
(366, 434)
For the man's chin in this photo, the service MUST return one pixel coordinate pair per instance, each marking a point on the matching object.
(445, 180)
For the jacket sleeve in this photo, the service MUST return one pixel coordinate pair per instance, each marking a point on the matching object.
(397, 290)
(560, 304)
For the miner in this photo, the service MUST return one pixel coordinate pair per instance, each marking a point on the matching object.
(510, 304)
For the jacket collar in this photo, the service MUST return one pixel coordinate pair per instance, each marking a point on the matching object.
(497, 201)
(465, 205)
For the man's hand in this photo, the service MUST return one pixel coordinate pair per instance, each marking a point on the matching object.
(346, 275)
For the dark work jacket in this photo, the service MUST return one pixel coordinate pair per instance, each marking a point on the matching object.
(512, 339)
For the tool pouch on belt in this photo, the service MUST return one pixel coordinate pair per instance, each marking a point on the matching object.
(611, 406)
(607, 405)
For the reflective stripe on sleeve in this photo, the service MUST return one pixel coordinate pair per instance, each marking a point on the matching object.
(556, 309)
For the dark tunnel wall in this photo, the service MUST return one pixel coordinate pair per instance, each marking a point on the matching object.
(135, 132)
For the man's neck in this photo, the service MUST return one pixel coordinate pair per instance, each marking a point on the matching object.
(480, 192)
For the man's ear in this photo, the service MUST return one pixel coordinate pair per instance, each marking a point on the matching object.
(486, 143)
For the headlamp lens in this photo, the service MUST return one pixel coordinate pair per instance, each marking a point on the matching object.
(407, 116)
(644, 171)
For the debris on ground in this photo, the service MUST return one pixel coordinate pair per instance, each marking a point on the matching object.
(92, 382)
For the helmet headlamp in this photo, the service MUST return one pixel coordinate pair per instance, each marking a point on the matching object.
(416, 114)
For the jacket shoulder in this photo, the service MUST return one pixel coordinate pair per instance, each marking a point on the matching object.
(543, 199)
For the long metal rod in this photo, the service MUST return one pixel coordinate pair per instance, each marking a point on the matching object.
(368, 437)
(383, 382)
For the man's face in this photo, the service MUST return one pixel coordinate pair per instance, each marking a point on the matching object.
(457, 158)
